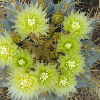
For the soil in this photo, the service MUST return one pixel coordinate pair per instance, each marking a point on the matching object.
(3, 94)
(88, 6)
(85, 94)
(2, 10)
(96, 35)
(56, 1)
(95, 70)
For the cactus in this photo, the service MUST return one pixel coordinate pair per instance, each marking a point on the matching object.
(41, 60)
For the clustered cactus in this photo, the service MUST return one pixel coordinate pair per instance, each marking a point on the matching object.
(31, 20)
(30, 75)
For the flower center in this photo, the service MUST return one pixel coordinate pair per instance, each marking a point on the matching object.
(70, 63)
(4, 50)
(68, 45)
(24, 83)
(63, 82)
(31, 22)
(21, 62)
(75, 25)
(44, 76)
